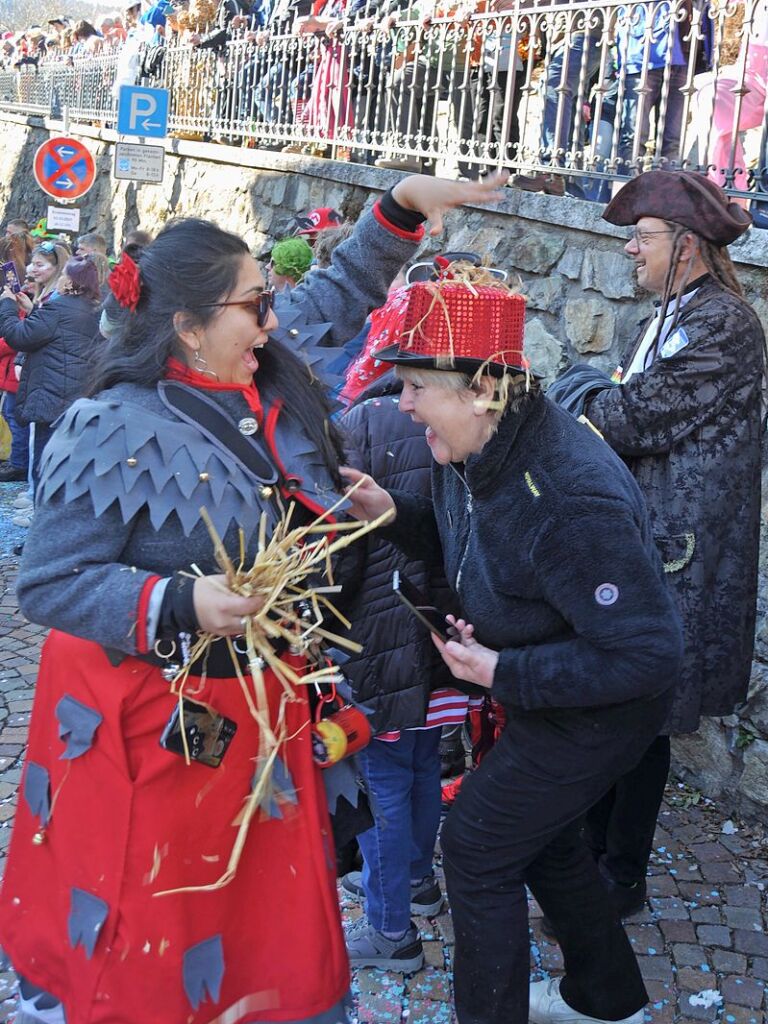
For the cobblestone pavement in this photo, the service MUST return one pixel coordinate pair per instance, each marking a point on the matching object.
(701, 940)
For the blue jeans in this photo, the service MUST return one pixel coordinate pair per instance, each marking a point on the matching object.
(19, 435)
(551, 139)
(632, 128)
(404, 781)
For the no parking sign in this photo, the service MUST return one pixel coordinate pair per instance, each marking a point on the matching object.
(64, 168)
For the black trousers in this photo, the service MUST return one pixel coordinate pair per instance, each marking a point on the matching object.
(620, 827)
(516, 821)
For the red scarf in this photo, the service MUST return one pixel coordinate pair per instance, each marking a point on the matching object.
(176, 370)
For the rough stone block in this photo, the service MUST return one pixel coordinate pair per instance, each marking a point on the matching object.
(606, 271)
(570, 265)
(754, 778)
(428, 1011)
(537, 253)
(714, 935)
(430, 984)
(744, 917)
(685, 954)
(752, 943)
(670, 909)
(543, 350)
(544, 293)
(725, 961)
(590, 325)
(743, 991)
(657, 968)
(678, 931)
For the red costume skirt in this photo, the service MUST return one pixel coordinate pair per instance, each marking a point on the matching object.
(79, 914)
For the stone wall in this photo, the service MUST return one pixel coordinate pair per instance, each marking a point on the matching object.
(582, 305)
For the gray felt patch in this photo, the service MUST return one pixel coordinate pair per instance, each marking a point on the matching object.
(77, 726)
(37, 791)
(203, 971)
(87, 915)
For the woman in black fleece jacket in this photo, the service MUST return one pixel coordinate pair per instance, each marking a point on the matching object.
(544, 537)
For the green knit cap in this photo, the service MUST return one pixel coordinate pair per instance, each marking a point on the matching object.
(292, 257)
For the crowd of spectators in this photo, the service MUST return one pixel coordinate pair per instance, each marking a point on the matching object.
(365, 79)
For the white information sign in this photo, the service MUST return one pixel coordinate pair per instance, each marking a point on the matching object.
(134, 162)
(61, 219)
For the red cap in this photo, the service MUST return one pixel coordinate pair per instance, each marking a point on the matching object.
(319, 220)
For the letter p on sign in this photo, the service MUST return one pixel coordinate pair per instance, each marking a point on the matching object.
(143, 112)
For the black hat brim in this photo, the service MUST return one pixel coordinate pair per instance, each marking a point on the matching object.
(402, 357)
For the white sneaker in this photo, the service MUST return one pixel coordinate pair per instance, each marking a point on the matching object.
(549, 1007)
(23, 501)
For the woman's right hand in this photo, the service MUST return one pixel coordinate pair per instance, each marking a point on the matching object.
(369, 501)
(218, 610)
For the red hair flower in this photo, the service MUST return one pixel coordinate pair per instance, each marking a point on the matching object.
(125, 283)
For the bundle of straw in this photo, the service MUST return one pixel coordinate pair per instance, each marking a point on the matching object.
(286, 573)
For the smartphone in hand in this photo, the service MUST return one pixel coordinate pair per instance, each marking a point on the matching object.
(417, 604)
(10, 277)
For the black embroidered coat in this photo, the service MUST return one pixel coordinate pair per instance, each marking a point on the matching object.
(689, 428)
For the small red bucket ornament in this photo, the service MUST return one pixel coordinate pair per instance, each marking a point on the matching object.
(341, 734)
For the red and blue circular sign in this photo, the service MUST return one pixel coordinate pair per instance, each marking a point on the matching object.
(64, 168)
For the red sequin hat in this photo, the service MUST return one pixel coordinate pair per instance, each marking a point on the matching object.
(455, 325)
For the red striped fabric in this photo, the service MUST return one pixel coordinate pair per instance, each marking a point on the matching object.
(446, 707)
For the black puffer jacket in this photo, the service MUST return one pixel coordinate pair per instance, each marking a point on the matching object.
(59, 339)
(399, 665)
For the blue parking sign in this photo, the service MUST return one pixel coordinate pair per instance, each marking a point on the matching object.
(142, 112)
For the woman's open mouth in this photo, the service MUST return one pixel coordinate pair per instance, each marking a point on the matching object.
(250, 358)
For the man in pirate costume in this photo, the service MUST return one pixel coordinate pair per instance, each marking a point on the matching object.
(545, 541)
(131, 891)
(686, 412)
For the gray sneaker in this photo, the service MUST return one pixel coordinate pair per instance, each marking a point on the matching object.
(368, 948)
(426, 898)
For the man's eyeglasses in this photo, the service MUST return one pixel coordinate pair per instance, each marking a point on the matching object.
(643, 236)
(260, 304)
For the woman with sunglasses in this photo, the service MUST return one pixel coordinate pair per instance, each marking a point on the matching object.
(114, 900)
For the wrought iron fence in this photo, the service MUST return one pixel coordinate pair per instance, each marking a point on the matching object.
(568, 95)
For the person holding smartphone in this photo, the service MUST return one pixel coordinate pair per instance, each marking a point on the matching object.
(545, 540)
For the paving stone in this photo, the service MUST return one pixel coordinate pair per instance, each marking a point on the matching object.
(706, 915)
(720, 871)
(733, 1014)
(725, 961)
(760, 968)
(645, 938)
(433, 954)
(375, 1009)
(743, 991)
(430, 985)
(678, 931)
(428, 1011)
(742, 896)
(375, 982)
(744, 917)
(699, 892)
(714, 935)
(690, 1011)
(750, 942)
(656, 968)
(685, 954)
(671, 909)
(695, 981)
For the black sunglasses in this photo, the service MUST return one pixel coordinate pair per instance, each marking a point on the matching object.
(261, 305)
